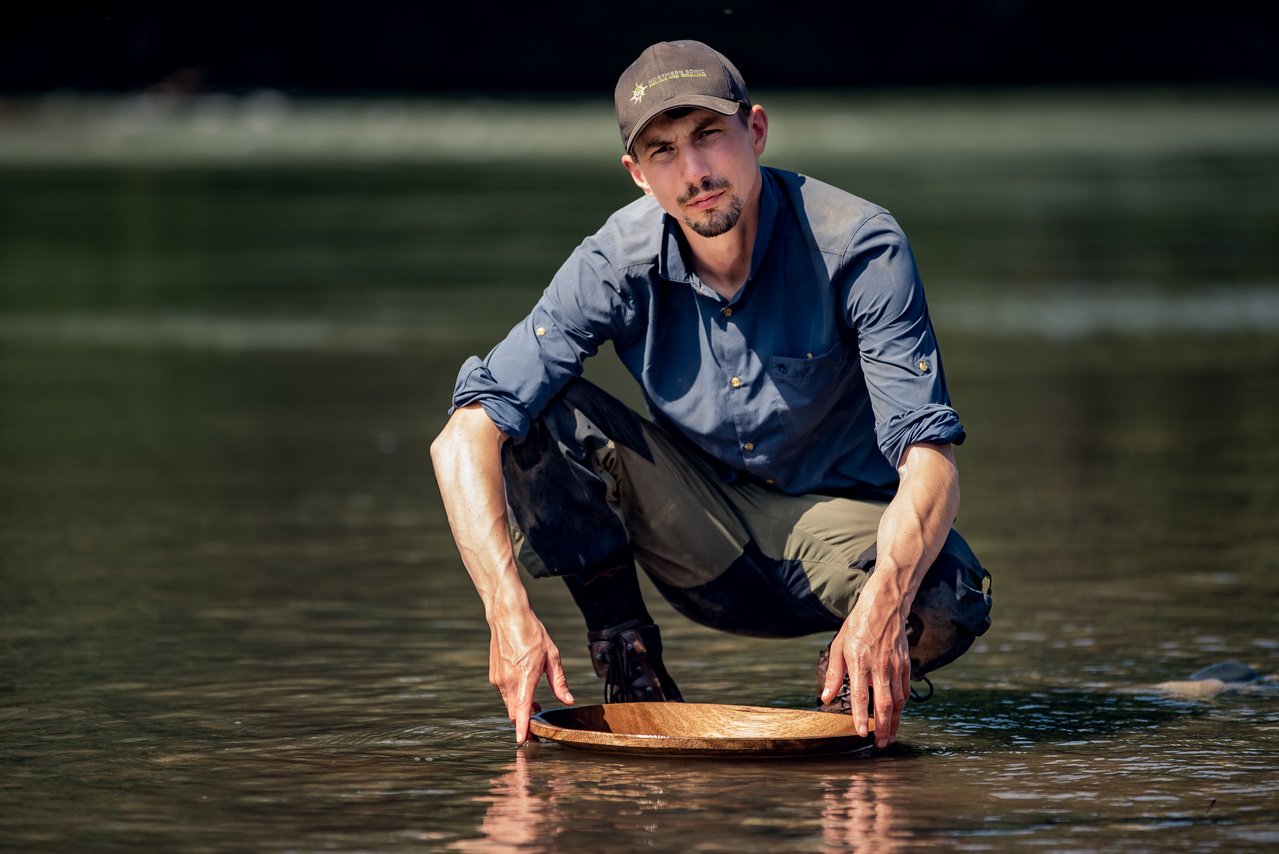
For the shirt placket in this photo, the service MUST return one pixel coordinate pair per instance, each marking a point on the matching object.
(740, 376)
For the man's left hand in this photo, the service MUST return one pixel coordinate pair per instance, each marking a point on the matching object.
(871, 646)
(871, 650)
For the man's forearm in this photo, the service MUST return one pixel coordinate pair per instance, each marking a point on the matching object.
(468, 464)
(467, 456)
(871, 646)
(915, 524)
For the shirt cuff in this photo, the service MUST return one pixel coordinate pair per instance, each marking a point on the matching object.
(935, 423)
(476, 384)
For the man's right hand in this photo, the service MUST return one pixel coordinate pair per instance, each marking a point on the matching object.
(468, 464)
(520, 651)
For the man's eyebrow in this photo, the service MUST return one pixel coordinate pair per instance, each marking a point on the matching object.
(706, 122)
(658, 141)
(654, 142)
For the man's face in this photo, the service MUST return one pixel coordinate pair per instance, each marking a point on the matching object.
(702, 167)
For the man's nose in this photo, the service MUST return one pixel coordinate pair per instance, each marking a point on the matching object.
(694, 167)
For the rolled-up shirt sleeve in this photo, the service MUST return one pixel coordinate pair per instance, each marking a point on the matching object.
(581, 308)
(896, 344)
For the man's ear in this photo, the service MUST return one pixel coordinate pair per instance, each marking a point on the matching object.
(757, 122)
(636, 175)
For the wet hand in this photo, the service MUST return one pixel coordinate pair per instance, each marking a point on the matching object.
(520, 652)
(871, 649)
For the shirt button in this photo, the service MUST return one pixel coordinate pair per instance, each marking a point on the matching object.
(726, 311)
(541, 330)
(923, 366)
(749, 446)
(735, 382)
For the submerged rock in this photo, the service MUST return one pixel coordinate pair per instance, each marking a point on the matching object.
(1214, 680)
(1193, 688)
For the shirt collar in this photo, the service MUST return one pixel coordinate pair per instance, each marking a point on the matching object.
(671, 265)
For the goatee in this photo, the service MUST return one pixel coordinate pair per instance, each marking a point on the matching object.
(717, 222)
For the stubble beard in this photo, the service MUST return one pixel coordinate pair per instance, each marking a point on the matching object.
(714, 223)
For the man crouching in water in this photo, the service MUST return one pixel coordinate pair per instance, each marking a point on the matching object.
(796, 471)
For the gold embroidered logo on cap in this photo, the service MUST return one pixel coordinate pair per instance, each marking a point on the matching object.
(637, 94)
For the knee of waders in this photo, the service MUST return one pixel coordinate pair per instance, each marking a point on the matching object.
(950, 611)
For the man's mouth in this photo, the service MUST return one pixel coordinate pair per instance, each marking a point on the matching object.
(706, 195)
(709, 200)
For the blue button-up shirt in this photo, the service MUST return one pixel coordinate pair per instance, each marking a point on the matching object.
(813, 377)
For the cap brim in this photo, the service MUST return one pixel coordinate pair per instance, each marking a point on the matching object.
(723, 106)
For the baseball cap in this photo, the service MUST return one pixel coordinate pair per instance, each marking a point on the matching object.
(675, 74)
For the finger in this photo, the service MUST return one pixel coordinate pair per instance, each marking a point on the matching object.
(512, 713)
(900, 696)
(557, 679)
(521, 725)
(523, 708)
(886, 708)
(509, 702)
(860, 696)
(836, 669)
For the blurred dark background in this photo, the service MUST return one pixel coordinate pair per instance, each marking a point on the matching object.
(581, 47)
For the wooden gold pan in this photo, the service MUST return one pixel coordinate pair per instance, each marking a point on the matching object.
(706, 729)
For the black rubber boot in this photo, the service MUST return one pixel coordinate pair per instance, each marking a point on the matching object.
(629, 660)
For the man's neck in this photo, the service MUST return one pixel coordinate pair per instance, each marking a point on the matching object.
(724, 262)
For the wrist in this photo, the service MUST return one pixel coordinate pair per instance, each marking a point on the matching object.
(504, 604)
(885, 594)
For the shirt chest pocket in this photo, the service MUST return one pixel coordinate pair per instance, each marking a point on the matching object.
(811, 380)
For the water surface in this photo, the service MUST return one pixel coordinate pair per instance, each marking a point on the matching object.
(233, 617)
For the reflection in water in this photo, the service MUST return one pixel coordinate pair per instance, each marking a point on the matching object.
(540, 802)
(855, 817)
(518, 814)
(1033, 761)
